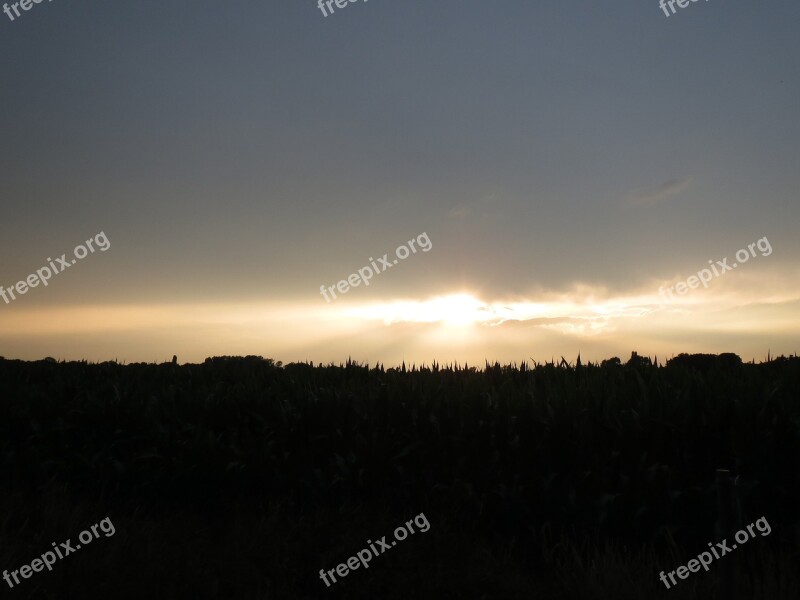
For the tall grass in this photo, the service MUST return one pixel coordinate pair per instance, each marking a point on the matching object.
(253, 464)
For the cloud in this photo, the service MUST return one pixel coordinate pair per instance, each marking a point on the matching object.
(652, 196)
(459, 212)
(748, 313)
(562, 313)
(483, 209)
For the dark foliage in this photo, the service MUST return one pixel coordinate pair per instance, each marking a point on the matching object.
(513, 463)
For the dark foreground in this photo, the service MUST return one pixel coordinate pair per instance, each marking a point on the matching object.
(241, 478)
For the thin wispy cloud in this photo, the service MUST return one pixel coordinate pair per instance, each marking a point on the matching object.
(652, 196)
(486, 208)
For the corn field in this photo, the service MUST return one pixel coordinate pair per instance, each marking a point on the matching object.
(242, 477)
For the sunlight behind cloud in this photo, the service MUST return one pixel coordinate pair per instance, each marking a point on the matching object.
(455, 309)
(564, 314)
(459, 326)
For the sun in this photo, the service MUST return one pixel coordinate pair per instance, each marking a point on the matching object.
(456, 310)
(453, 310)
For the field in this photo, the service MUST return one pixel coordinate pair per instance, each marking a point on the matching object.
(242, 478)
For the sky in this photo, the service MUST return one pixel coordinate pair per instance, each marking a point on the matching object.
(560, 166)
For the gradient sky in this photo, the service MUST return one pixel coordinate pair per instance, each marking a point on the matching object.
(566, 159)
